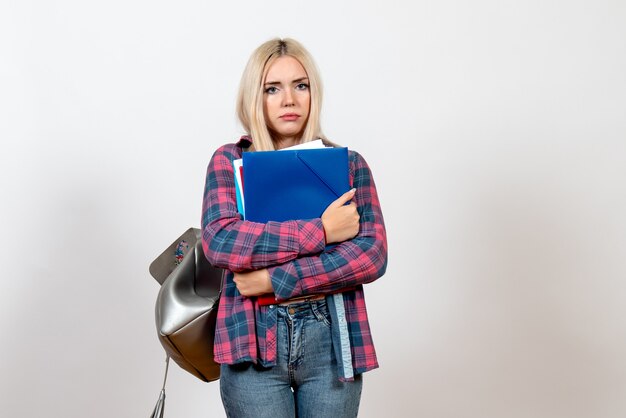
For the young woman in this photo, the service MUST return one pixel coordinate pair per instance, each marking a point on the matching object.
(302, 355)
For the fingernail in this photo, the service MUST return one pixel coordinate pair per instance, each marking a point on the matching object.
(353, 189)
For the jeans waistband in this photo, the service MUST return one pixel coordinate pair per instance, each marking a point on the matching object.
(313, 308)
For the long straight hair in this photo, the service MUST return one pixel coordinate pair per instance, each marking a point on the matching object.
(251, 94)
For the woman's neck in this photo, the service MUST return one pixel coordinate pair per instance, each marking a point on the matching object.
(284, 142)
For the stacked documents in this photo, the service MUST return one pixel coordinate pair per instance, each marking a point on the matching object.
(293, 183)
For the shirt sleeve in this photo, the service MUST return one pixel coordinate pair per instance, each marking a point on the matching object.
(360, 260)
(237, 245)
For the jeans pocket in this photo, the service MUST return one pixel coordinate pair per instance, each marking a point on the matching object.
(320, 310)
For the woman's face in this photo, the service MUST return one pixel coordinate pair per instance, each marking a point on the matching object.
(286, 100)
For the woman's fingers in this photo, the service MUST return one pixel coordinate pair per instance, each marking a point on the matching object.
(341, 221)
(341, 200)
(253, 283)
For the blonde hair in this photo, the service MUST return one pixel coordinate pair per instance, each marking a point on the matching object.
(250, 97)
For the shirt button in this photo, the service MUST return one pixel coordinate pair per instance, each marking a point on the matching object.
(292, 311)
(271, 306)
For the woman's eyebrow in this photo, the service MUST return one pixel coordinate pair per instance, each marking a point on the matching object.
(277, 83)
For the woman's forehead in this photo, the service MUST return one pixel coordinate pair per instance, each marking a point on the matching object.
(285, 67)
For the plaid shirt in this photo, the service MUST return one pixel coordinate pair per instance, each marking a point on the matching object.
(292, 251)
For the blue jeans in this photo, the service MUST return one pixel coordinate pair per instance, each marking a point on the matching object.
(304, 383)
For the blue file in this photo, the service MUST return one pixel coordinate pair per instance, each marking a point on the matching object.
(293, 184)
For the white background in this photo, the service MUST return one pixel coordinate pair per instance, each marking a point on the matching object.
(496, 131)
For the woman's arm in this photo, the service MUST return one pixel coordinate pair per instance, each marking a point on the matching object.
(360, 260)
(237, 245)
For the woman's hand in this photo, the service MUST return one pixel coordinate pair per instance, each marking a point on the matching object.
(341, 222)
(254, 283)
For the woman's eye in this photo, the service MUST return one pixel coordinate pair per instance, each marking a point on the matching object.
(271, 90)
(302, 86)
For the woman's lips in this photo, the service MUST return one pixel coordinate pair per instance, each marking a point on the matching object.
(290, 116)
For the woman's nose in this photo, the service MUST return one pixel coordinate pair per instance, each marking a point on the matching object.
(288, 98)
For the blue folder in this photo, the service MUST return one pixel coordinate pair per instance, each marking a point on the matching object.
(293, 184)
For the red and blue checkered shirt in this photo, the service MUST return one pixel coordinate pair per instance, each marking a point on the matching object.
(293, 253)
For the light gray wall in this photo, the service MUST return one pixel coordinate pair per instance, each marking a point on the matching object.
(496, 131)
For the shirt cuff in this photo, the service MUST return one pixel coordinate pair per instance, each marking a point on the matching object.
(311, 236)
(285, 281)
